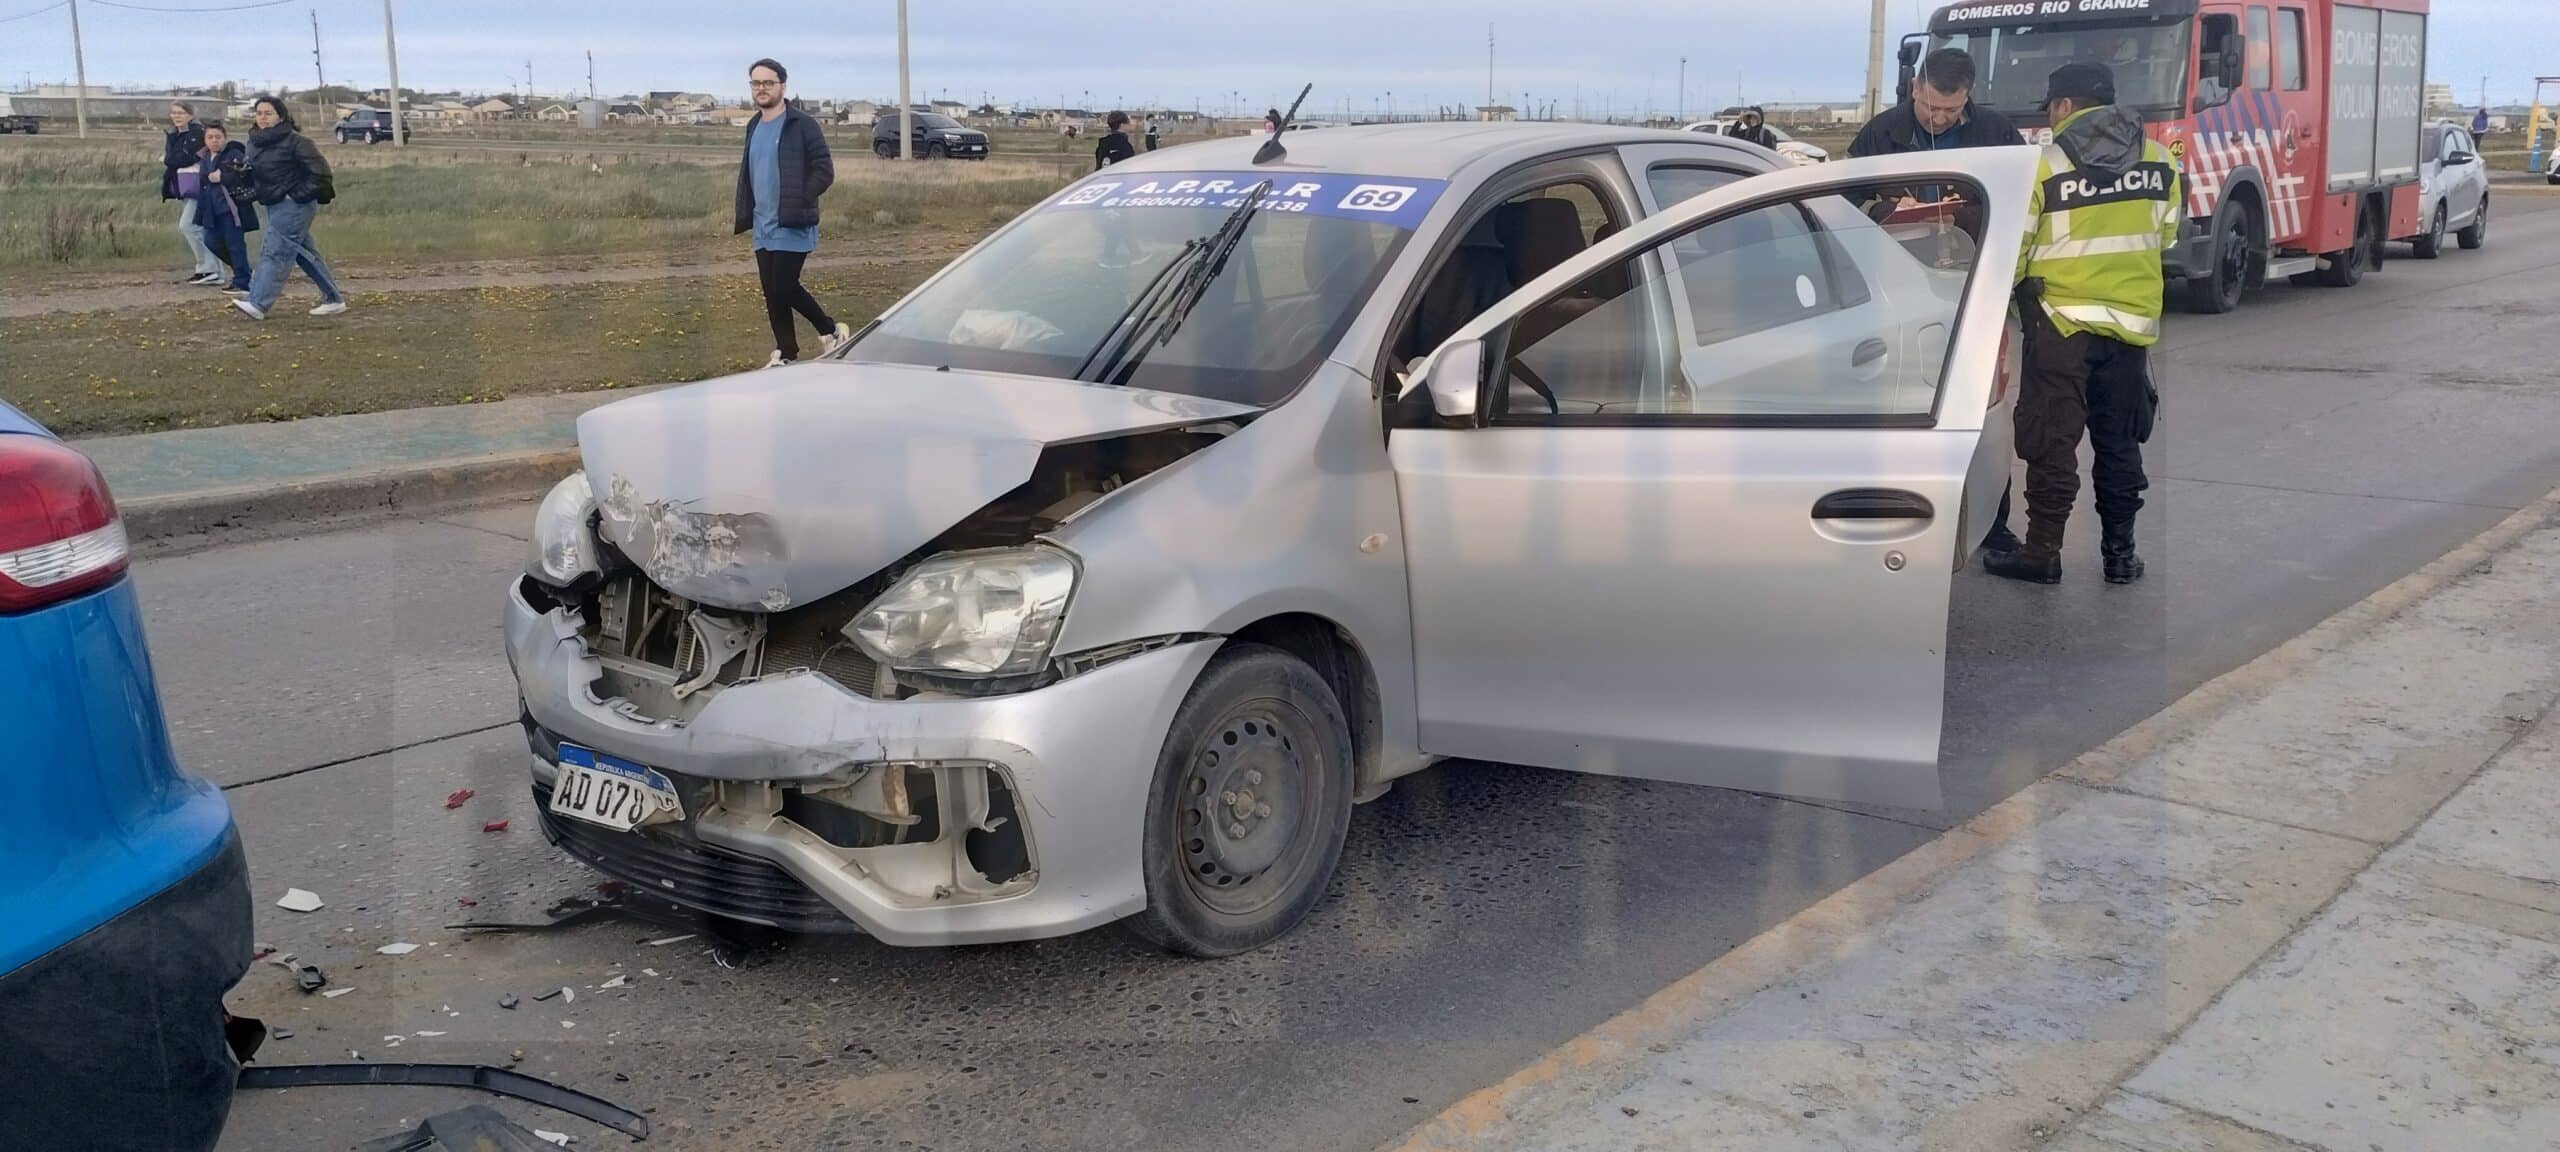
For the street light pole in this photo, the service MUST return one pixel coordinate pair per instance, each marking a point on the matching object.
(319, 95)
(79, 74)
(1875, 61)
(906, 101)
(391, 50)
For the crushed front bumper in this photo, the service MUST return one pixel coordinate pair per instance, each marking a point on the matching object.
(1076, 759)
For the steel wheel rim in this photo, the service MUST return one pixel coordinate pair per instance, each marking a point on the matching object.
(1260, 769)
(2235, 265)
(2436, 237)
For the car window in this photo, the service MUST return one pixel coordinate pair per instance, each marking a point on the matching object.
(1675, 183)
(1792, 311)
(1506, 247)
(2431, 146)
(2289, 50)
(2261, 50)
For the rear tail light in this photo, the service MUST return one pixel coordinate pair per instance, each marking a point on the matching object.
(2000, 375)
(59, 533)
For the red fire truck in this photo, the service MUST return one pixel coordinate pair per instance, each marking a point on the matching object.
(2295, 121)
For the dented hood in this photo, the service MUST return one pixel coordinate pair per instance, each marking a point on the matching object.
(768, 490)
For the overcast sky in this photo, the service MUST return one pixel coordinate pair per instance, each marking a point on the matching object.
(1617, 54)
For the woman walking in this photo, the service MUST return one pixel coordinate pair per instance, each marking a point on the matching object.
(292, 179)
(180, 151)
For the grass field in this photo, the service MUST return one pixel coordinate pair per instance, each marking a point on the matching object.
(97, 373)
(69, 206)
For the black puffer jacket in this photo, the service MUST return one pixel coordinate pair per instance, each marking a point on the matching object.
(180, 148)
(807, 168)
(285, 165)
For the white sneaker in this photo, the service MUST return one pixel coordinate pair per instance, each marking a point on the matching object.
(331, 308)
(777, 361)
(205, 278)
(842, 336)
(255, 313)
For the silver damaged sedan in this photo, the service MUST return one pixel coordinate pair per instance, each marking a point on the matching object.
(1102, 575)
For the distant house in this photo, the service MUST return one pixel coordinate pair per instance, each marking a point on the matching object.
(954, 109)
(626, 111)
(693, 101)
(493, 109)
(556, 113)
(1497, 113)
(453, 110)
(861, 112)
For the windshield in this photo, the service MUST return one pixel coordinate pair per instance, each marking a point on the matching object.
(2148, 60)
(935, 120)
(1041, 297)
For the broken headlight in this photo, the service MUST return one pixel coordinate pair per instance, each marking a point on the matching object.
(564, 534)
(992, 613)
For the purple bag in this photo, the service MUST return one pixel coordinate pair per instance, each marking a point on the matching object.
(189, 181)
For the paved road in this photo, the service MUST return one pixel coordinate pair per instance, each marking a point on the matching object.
(2314, 447)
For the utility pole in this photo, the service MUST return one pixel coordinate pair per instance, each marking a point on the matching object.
(906, 104)
(391, 50)
(319, 95)
(591, 74)
(528, 81)
(1488, 64)
(1680, 107)
(79, 74)
(1875, 61)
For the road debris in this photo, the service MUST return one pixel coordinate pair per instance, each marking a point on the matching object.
(494, 826)
(568, 1023)
(261, 951)
(553, 994)
(508, 1001)
(466, 901)
(334, 993)
(300, 900)
(460, 797)
(670, 940)
(398, 948)
(549, 1137)
(648, 971)
(616, 982)
(281, 1034)
(310, 978)
(495, 1081)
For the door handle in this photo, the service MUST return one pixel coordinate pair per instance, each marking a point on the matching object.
(1869, 351)
(1874, 504)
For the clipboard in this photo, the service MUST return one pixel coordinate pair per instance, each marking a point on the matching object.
(1941, 210)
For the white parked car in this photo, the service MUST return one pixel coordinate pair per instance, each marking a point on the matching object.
(1788, 146)
(2453, 190)
(1100, 577)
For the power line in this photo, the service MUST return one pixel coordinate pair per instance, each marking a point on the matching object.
(226, 8)
(35, 11)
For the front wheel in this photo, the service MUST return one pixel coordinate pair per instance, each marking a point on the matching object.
(2476, 233)
(2234, 242)
(933, 152)
(2431, 244)
(1249, 807)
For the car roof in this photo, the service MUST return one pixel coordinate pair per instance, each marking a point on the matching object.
(1435, 150)
(14, 422)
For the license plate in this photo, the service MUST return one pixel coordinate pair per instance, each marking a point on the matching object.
(613, 792)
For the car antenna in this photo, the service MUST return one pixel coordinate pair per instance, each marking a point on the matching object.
(1272, 151)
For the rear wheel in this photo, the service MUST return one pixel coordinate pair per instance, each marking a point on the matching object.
(2430, 243)
(2347, 265)
(2476, 233)
(1251, 802)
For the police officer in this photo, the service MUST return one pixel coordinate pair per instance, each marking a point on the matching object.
(2106, 205)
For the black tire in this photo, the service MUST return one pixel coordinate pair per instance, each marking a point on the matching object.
(2477, 234)
(934, 152)
(1258, 719)
(2347, 265)
(884, 149)
(2430, 244)
(2234, 239)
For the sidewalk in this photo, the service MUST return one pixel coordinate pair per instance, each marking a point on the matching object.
(2314, 905)
(239, 476)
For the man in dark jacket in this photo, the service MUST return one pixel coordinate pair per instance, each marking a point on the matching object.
(785, 169)
(1941, 114)
(1753, 127)
(179, 152)
(224, 206)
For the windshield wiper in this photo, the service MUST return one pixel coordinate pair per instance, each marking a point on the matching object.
(1201, 262)
(1116, 339)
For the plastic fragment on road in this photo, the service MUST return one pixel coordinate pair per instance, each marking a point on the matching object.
(300, 900)
(508, 1001)
(671, 940)
(568, 1023)
(648, 971)
(553, 994)
(459, 797)
(494, 826)
(281, 1034)
(549, 1137)
(616, 982)
(334, 993)
(466, 901)
(397, 948)
(309, 978)
(426, 1035)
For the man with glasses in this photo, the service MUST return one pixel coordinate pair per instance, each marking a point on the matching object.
(1940, 114)
(785, 169)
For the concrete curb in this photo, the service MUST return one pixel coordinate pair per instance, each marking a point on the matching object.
(1846, 921)
(165, 522)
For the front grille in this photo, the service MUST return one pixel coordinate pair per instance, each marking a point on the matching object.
(703, 876)
(638, 620)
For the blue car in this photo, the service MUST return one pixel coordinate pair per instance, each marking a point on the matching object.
(124, 897)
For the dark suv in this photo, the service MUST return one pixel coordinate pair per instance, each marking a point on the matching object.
(371, 125)
(937, 136)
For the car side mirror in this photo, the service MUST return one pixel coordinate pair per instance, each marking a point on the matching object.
(1454, 376)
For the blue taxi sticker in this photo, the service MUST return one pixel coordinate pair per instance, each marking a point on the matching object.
(1391, 200)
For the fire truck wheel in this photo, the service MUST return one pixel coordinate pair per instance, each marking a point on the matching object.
(2219, 290)
(2347, 265)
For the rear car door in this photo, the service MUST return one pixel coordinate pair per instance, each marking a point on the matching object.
(1703, 527)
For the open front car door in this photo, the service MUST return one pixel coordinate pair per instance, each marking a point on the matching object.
(1694, 501)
